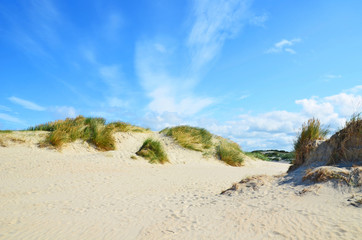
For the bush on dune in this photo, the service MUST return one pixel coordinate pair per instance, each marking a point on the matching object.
(153, 151)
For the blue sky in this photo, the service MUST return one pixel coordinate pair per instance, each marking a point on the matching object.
(252, 71)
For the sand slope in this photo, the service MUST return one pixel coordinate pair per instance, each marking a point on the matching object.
(83, 194)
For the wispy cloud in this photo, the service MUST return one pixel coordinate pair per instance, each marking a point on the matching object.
(355, 89)
(26, 104)
(113, 25)
(7, 117)
(5, 108)
(332, 76)
(284, 46)
(259, 20)
(34, 31)
(112, 75)
(215, 21)
(170, 90)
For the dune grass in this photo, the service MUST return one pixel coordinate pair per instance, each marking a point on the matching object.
(310, 132)
(153, 151)
(352, 177)
(92, 130)
(349, 136)
(193, 138)
(230, 153)
(257, 155)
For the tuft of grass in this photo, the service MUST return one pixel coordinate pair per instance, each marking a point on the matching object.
(2, 144)
(304, 144)
(198, 139)
(351, 134)
(324, 174)
(153, 151)
(230, 153)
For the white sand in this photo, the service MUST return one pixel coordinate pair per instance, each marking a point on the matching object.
(83, 194)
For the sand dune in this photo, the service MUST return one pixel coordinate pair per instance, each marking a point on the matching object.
(80, 193)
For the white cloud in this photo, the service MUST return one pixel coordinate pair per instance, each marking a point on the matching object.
(284, 46)
(168, 93)
(277, 129)
(9, 118)
(289, 50)
(26, 104)
(64, 112)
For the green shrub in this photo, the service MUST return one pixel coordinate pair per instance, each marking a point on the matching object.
(310, 132)
(153, 151)
(230, 153)
(193, 138)
(257, 155)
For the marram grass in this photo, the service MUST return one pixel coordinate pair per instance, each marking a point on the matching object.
(310, 132)
(92, 130)
(153, 151)
(230, 153)
(193, 138)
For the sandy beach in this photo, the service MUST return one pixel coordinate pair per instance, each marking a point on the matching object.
(79, 193)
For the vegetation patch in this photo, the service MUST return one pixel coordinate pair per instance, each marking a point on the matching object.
(230, 153)
(348, 141)
(153, 151)
(272, 155)
(193, 138)
(351, 177)
(5, 131)
(2, 144)
(257, 155)
(92, 130)
(305, 142)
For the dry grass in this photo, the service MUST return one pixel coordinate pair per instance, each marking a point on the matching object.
(352, 177)
(2, 144)
(252, 183)
(304, 144)
(347, 139)
(230, 153)
(193, 138)
(324, 174)
(153, 151)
